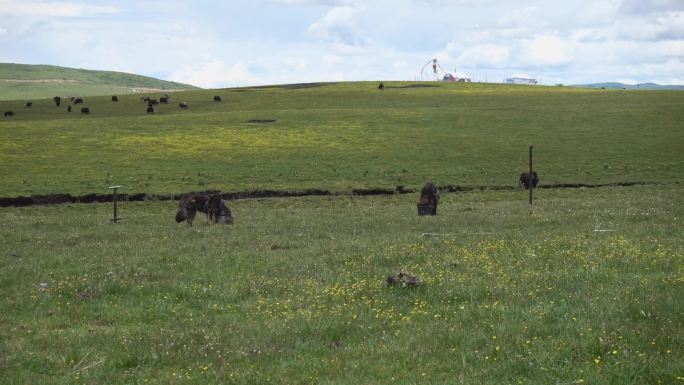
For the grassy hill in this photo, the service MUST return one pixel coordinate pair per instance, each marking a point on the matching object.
(342, 137)
(23, 81)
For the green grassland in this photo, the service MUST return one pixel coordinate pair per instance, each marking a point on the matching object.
(344, 136)
(586, 288)
(28, 82)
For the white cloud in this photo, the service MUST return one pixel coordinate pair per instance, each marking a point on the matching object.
(643, 7)
(338, 26)
(547, 50)
(53, 9)
(315, 2)
(214, 73)
(483, 55)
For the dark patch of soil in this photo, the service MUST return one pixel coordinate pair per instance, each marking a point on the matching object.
(261, 121)
(414, 86)
(298, 86)
(294, 86)
(22, 201)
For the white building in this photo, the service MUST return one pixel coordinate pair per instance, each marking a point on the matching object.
(521, 79)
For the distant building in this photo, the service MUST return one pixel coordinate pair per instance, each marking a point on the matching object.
(455, 78)
(521, 79)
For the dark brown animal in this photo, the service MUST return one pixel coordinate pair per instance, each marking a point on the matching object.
(164, 100)
(9, 114)
(184, 105)
(217, 210)
(429, 196)
(78, 100)
(217, 98)
(150, 110)
(28, 104)
(404, 279)
(85, 110)
(115, 98)
(189, 205)
(58, 100)
(526, 181)
(69, 108)
(381, 86)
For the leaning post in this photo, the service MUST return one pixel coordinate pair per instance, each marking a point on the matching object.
(115, 218)
(529, 176)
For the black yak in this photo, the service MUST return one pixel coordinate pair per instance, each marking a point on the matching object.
(217, 98)
(150, 110)
(115, 98)
(381, 86)
(85, 110)
(164, 100)
(183, 105)
(69, 108)
(78, 100)
(525, 180)
(189, 205)
(58, 100)
(429, 198)
(217, 210)
(9, 114)
(28, 104)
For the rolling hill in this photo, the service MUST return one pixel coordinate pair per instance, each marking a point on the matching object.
(24, 81)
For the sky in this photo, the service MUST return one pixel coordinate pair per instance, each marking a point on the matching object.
(216, 44)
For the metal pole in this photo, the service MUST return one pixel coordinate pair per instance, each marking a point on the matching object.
(114, 198)
(115, 218)
(529, 176)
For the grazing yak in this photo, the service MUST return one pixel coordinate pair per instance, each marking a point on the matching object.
(69, 108)
(164, 100)
(525, 180)
(58, 100)
(85, 110)
(9, 114)
(28, 104)
(189, 205)
(152, 102)
(78, 100)
(429, 198)
(150, 110)
(183, 104)
(217, 210)
(115, 98)
(210, 204)
(381, 86)
(217, 98)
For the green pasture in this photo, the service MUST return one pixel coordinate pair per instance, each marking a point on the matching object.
(344, 136)
(28, 82)
(585, 288)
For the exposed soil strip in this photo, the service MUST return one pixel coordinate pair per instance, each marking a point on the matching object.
(295, 86)
(93, 198)
(414, 86)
